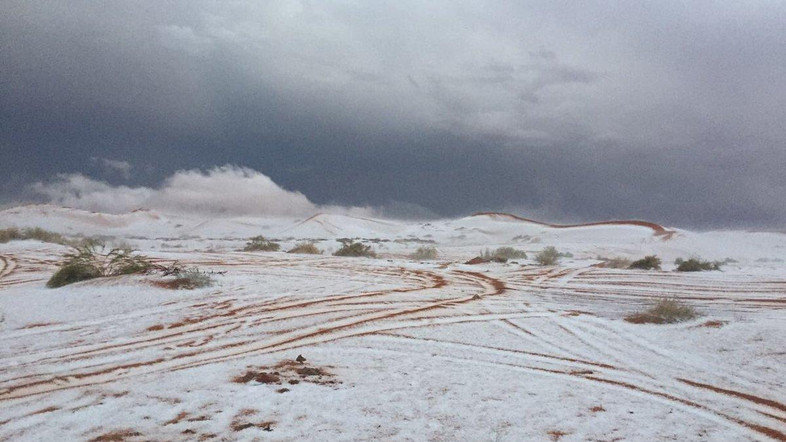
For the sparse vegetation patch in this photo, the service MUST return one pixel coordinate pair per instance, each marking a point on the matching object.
(548, 256)
(261, 244)
(39, 234)
(71, 273)
(615, 263)
(424, 253)
(188, 279)
(696, 265)
(650, 262)
(305, 248)
(510, 253)
(356, 249)
(665, 311)
(91, 261)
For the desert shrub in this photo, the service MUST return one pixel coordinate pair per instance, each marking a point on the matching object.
(261, 244)
(124, 262)
(37, 233)
(665, 311)
(305, 247)
(615, 263)
(93, 241)
(351, 248)
(649, 262)
(424, 253)
(44, 235)
(9, 234)
(71, 273)
(696, 265)
(510, 253)
(91, 261)
(188, 279)
(548, 256)
(488, 256)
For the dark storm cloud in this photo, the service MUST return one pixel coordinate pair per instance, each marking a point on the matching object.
(662, 111)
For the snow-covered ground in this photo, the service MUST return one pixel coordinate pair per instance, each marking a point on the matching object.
(394, 348)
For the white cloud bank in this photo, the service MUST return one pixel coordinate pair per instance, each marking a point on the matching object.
(221, 191)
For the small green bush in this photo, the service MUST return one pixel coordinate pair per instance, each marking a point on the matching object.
(424, 253)
(71, 273)
(510, 253)
(650, 262)
(696, 265)
(548, 256)
(355, 249)
(489, 256)
(305, 247)
(189, 279)
(90, 261)
(665, 311)
(261, 244)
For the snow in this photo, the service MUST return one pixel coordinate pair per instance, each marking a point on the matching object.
(433, 350)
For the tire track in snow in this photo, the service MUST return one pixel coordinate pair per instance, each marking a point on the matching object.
(753, 429)
(307, 336)
(196, 325)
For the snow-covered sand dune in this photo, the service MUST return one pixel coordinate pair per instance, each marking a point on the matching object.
(394, 348)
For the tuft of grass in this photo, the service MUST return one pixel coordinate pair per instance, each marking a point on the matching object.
(696, 265)
(355, 249)
(615, 263)
(548, 256)
(261, 244)
(424, 253)
(92, 261)
(305, 247)
(39, 234)
(10, 234)
(665, 311)
(510, 253)
(188, 279)
(650, 262)
(71, 273)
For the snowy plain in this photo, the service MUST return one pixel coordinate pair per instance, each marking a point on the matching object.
(394, 348)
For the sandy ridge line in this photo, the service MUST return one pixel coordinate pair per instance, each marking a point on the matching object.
(657, 229)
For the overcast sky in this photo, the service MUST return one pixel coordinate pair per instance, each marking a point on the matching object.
(668, 111)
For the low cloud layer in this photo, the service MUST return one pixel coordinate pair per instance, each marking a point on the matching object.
(222, 191)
